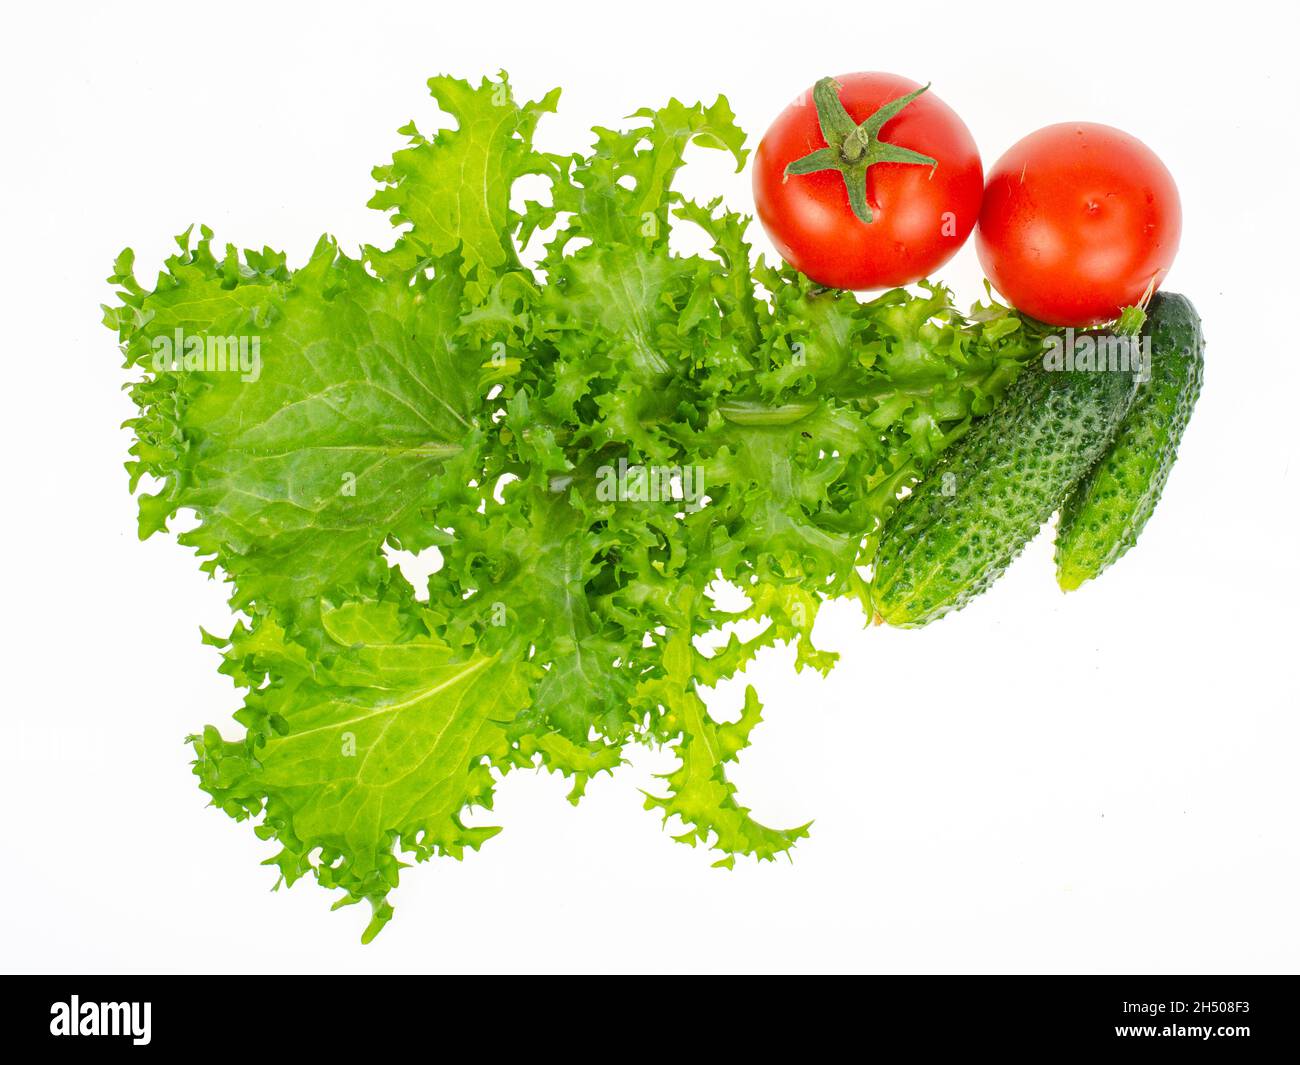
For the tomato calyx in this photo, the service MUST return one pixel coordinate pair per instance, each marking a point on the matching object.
(852, 147)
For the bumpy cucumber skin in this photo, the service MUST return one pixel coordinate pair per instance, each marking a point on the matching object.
(1008, 474)
(1106, 512)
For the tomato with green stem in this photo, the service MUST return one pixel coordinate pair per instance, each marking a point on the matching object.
(869, 181)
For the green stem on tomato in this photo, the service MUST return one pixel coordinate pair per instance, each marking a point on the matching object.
(853, 148)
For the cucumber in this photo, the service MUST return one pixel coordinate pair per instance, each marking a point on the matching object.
(1106, 512)
(991, 492)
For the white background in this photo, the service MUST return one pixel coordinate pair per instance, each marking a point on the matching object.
(1104, 782)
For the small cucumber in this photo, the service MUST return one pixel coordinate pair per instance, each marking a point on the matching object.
(991, 492)
(1106, 512)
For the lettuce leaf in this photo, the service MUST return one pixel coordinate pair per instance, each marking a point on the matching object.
(538, 428)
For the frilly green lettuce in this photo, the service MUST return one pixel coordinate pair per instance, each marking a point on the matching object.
(440, 394)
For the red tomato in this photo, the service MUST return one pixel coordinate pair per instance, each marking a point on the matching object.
(1078, 220)
(921, 214)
